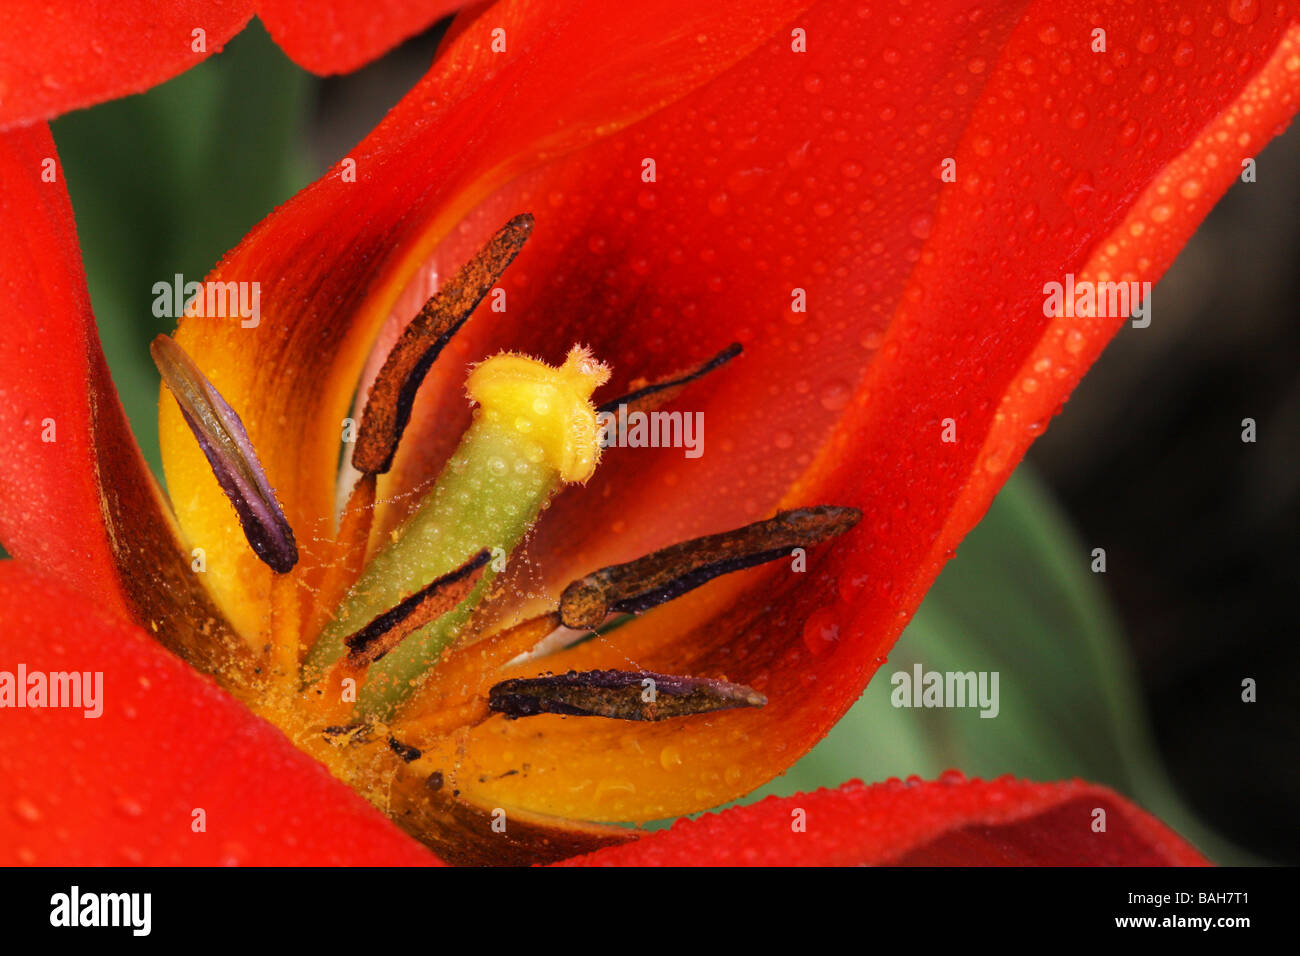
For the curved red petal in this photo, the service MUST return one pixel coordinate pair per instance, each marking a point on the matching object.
(335, 36)
(56, 57)
(948, 822)
(127, 786)
(76, 498)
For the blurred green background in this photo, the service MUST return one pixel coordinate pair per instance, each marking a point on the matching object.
(166, 182)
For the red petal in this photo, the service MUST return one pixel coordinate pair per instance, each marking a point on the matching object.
(56, 57)
(76, 497)
(335, 36)
(124, 787)
(947, 822)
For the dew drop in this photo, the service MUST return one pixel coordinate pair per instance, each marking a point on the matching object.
(1244, 12)
(610, 786)
(1079, 189)
(26, 811)
(835, 395)
(670, 758)
(821, 632)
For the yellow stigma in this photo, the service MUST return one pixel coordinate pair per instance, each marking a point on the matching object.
(550, 406)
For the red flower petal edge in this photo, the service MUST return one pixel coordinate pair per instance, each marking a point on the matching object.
(56, 57)
(335, 36)
(81, 503)
(128, 786)
(951, 821)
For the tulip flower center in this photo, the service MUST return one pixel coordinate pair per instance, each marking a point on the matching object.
(534, 430)
(395, 650)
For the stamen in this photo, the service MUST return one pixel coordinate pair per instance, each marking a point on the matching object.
(620, 695)
(432, 601)
(347, 555)
(659, 577)
(665, 390)
(224, 441)
(286, 627)
(455, 694)
(388, 406)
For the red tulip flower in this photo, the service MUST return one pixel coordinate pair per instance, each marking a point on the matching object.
(868, 199)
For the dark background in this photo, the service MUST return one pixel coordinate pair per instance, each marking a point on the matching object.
(1200, 528)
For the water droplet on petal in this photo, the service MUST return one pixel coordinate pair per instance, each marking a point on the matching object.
(835, 395)
(821, 632)
(26, 811)
(1244, 12)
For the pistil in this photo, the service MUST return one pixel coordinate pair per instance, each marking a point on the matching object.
(534, 430)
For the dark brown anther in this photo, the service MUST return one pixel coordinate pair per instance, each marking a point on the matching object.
(432, 601)
(659, 577)
(660, 393)
(619, 695)
(388, 406)
(408, 753)
(224, 441)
